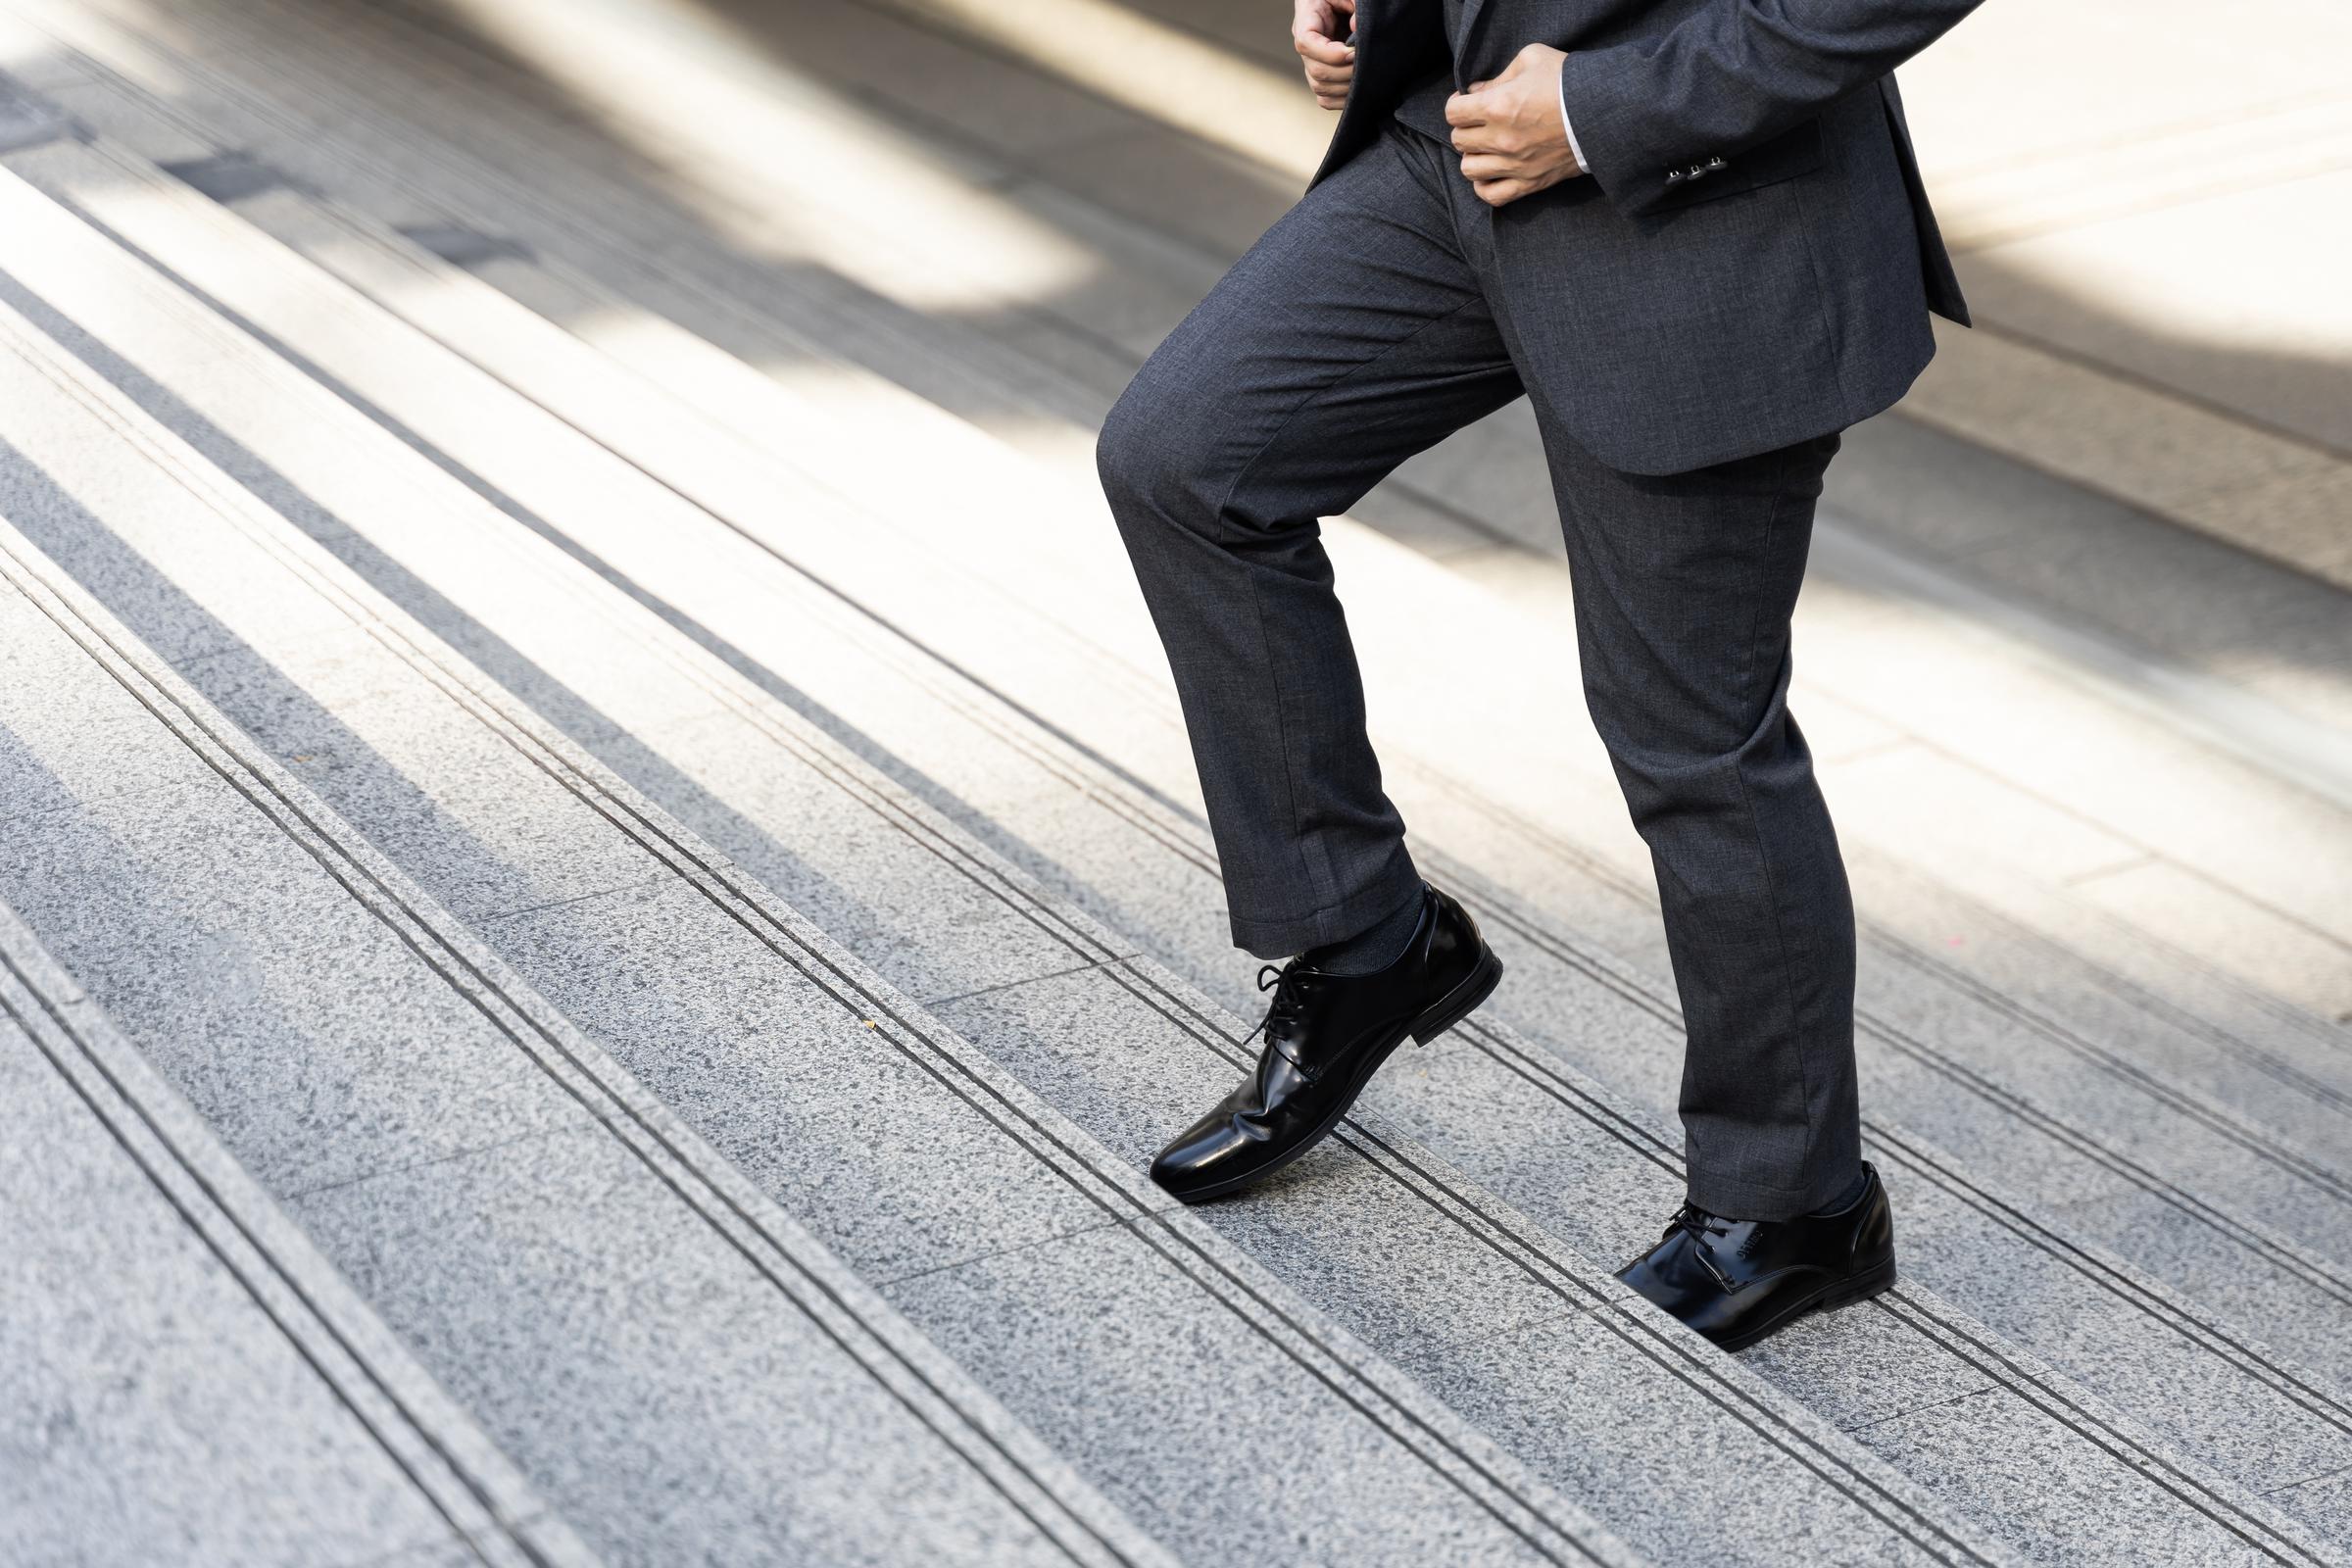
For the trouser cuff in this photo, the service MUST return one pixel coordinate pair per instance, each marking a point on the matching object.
(1737, 1198)
(1283, 937)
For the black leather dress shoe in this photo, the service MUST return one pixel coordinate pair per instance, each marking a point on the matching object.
(1325, 1036)
(1738, 1279)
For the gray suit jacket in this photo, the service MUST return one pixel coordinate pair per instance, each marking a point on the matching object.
(1752, 261)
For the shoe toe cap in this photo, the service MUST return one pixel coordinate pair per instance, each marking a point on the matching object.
(1215, 1150)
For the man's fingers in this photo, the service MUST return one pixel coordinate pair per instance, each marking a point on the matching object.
(1329, 83)
(1500, 192)
(1484, 140)
(1319, 32)
(1485, 165)
(1316, 47)
(1463, 110)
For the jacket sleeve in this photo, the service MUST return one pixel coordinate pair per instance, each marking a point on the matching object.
(1651, 115)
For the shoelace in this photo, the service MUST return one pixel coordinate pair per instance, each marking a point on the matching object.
(1698, 1223)
(1289, 985)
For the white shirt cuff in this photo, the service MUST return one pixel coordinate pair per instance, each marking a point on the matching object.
(1569, 125)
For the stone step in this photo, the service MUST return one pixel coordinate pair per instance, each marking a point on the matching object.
(1647, 1369)
(783, 785)
(189, 1379)
(636, 1325)
(2263, 902)
(2104, 1186)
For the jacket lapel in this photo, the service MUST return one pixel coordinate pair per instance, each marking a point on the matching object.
(1465, 30)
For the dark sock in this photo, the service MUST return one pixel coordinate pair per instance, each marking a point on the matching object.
(1861, 1184)
(1373, 949)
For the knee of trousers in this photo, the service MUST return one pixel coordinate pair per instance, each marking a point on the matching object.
(1676, 772)
(1155, 457)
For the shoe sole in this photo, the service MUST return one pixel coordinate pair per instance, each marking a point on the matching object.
(1449, 1010)
(1830, 1297)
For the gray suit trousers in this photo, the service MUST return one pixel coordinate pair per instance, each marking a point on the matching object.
(1362, 328)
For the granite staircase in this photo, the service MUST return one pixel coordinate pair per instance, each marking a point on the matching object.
(648, 823)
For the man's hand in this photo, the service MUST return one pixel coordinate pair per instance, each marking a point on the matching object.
(1319, 31)
(1509, 130)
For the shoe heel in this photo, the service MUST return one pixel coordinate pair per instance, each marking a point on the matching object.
(1861, 1288)
(1461, 1001)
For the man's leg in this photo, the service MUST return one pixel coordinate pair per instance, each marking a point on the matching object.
(1353, 335)
(1683, 589)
